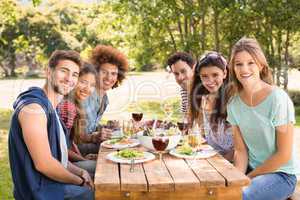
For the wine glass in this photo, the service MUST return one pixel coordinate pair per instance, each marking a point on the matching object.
(167, 107)
(128, 128)
(160, 144)
(194, 140)
(137, 117)
(183, 127)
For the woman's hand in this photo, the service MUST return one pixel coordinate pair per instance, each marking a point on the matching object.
(91, 156)
(105, 134)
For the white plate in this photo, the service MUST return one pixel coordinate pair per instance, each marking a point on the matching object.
(147, 157)
(205, 152)
(134, 142)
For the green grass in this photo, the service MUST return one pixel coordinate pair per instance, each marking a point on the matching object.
(155, 109)
(5, 175)
(297, 112)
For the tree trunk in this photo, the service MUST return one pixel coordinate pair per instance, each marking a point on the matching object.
(172, 38)
(279, 72)
(12, 66)
(216, 29)
(5, 70)
(186, 29)
(180, 31)
(286, 60)
(203, 27)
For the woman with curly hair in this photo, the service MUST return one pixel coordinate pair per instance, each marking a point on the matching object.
(111, 66)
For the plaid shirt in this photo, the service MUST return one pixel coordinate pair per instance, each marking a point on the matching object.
(94, 107)
(67, 113)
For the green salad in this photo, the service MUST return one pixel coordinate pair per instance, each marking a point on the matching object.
(116, 140)
(130, 153)
(185, 149)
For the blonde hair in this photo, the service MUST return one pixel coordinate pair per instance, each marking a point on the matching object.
(252, 47)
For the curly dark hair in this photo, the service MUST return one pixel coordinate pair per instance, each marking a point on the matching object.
(102, 54)
(186, 57)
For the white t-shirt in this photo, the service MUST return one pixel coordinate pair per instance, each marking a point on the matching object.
(62, 143)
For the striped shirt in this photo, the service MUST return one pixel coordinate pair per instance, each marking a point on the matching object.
(184, 100)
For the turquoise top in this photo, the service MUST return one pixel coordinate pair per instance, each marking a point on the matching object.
(257, 125)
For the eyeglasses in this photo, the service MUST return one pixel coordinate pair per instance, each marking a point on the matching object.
(203, 61)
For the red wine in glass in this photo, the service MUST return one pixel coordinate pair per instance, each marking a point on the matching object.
(160, 143)
(182, 126)
(137, 116)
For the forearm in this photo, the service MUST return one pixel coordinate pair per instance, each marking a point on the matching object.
(73, 156)
(87, 138)
(74, 169)
(54, 170)
(241, 160)
(270, 165)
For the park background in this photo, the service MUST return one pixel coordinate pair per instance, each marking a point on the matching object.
(147, 32)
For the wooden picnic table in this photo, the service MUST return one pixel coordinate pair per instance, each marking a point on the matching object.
(211, 178)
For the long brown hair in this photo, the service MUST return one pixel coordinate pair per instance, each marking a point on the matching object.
(197, 90)
(80, 121)
(252, 47)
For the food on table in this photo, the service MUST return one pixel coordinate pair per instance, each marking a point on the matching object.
(185, 150)
(121, 141)
(130, 154)
(172, 131)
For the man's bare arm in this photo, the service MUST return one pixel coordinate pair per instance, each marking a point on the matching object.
(33, 121)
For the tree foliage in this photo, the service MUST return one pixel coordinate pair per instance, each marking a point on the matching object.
(149, 31)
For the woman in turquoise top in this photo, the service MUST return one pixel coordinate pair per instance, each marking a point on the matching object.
(262, 118)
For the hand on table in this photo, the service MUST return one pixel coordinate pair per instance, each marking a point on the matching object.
(91, 156)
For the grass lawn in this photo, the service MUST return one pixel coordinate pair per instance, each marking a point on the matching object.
(5, 176)
(148, 109)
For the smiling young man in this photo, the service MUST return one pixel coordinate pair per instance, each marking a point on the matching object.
(37, 144)
(111, 66)
(181, 64)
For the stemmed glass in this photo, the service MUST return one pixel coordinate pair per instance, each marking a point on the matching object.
(167, 107)
(194, 140)
(137, 117)
(160, 144)
(128, 128)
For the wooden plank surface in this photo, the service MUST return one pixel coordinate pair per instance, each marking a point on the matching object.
(183, 177)
(228, 171)
(222, 193)
(107, 174)
(133, 181)
(158, 176)
(206, 173)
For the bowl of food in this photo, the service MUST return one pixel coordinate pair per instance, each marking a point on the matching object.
(145, 137)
